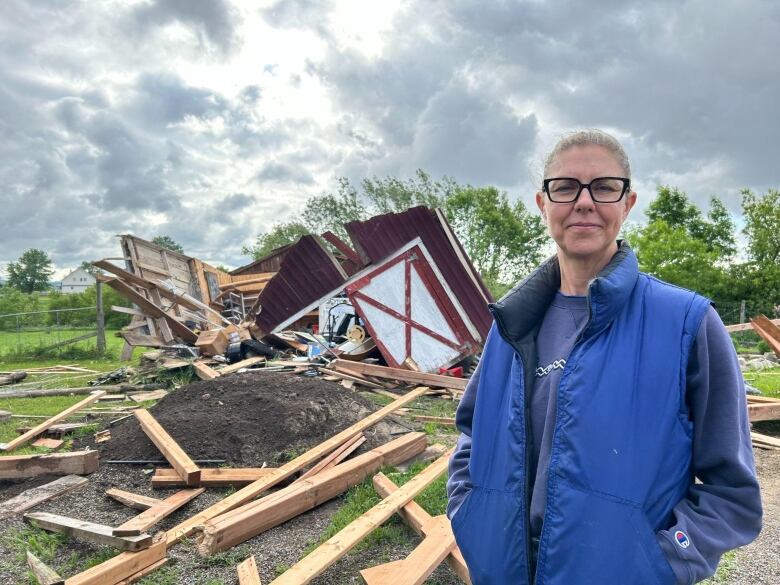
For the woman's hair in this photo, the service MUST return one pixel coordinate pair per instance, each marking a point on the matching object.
(587, 137)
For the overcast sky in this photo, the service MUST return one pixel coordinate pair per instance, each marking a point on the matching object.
(209, 120)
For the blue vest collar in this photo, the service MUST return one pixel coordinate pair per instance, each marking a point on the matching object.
(519, 313)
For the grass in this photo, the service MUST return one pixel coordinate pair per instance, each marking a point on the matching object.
(768, 381)
(39, 542)
(363, 497)
(164, 576)
(228, 558)
(728, 564)
(17, 346)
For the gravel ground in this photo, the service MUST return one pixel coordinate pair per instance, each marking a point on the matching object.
(759, 562)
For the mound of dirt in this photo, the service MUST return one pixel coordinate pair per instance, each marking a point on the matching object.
(247, 419)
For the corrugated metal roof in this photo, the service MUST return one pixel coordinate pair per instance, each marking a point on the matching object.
(307, 272)
(378, 237)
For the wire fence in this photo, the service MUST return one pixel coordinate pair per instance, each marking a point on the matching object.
(35, 332)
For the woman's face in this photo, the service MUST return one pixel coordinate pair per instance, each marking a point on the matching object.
(585, 229)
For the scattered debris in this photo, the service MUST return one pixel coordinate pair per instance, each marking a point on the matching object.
(39, 494)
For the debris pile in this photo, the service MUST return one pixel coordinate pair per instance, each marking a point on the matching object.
(406, 295)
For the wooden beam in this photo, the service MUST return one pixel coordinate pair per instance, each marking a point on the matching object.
(170, 449)
(247, 572)
(140, 340)
(242, 364)
(135, 577)
(254, 489)
(122, 566)
(89, 531)
(336, 457)
(245, 522)
(765, 440)
(132, 500)
(316, 562)
(182, 331)
(346, 376)
(35, 431)
(760, 327)
(417, 518)
(439, 420)
(204, 372)
(767, 411)
(746, 326)
(43, 573)
(42, 493)
(75, 462)
(434, 380)
(153, 515)
(418, 566)
(216, 477)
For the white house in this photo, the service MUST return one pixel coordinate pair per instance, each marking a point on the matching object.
(77, 281)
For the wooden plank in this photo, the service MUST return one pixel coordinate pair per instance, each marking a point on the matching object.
(182, 331)
(242, 364)
(434, 380)
(759, 326)
(423, 560)
(141, 340)
(439, 420)
(135, 577)
(316, 562)
(204, 372)
(42, 493)
(765, 439)
(136, 501)
(746, 326)
(353, 378)
(174, 454)
(89, 531)
(336, 457)
(417, 518)
(153, 515)
(122, 566)
(34, 432)
(152, 395)
(245, 522)
(247, 572)
(281, 473)
(126, 310)
(217, 477)
(43, 573)
(766, 411)
(48, 443)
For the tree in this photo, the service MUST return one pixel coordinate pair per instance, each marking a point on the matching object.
(762, 226)
(504, 241)
(673, 207)
(673, 255)
(168, 243)
(31, 272)
(280, 235)
(395, 195)
(330, 211)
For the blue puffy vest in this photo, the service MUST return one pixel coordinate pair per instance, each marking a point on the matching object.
(622, 444)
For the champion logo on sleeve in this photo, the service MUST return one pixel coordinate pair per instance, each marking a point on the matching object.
(682, 539)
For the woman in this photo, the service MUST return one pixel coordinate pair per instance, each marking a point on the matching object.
(601, 396)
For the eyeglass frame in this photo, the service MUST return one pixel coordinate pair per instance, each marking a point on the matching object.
(546, 188)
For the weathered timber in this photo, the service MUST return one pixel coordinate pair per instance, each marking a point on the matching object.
(132, 500)
(247, 521)
(135, 577)
(170, 449)
(247, 572)
(139, 339)
(767, 440)
(34, 432)
(252, 361)
(75, 462)
(439, 420)
(417, 518)
(48, 443)
(153, 395)
(766, 411)
(43, 573)
(89, 531)
(746, 326)
(12, 378)
(342, 542)
(153, 515)
(216, 477)
(256, 488)
(423, 560)
(122, 566)
(352, 377)
(42, 493)
(434, 380)
(204, 372)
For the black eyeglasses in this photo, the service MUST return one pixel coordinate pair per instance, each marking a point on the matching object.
(602, 190)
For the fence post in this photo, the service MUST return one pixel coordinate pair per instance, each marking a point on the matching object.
(101, 324)
(742, 311)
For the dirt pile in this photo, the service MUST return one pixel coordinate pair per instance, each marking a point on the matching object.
(247, 419)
